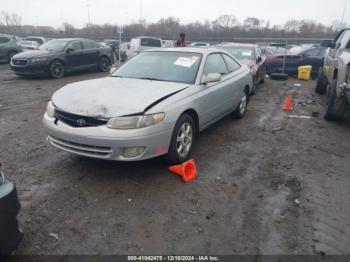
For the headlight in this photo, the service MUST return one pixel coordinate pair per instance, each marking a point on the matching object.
(133, 122)
(50, 110)
(38, 60)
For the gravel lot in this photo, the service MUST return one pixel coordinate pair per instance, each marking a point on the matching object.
(268, 184)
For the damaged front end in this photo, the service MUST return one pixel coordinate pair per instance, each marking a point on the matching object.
(10, 233)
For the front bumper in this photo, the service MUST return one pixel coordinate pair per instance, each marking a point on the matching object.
(105, 143)
(36, 69)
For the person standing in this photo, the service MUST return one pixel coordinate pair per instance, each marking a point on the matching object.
(182, 41)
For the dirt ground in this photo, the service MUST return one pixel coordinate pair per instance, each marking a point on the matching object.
(268, 184)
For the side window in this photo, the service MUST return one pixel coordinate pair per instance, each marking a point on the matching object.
(151, 42)
(4, 40)
(76, 45)
(215, 64)
(88, 44)
(312, 52)
(231, 64)
(344, 42)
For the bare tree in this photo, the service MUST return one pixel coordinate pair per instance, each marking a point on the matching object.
(226, 22)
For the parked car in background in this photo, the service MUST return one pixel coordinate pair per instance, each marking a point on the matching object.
(115, 45)
(334, 76)
(38, 39)
(139, 44)
(28, 45)
(10, 232)
(60, 56)
(156, 104)
(199, 44)
(250, 55)
(295, 57)
(8, 47)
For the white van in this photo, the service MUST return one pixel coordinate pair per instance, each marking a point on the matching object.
(139, 44)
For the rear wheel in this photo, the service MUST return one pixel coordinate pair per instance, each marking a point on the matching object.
(104, 64)
(182, 140)
(336, 105)
(321, 83)
(242, 107)
(56, 69)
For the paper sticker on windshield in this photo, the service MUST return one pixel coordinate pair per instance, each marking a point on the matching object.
(185, 61)
(247, 53)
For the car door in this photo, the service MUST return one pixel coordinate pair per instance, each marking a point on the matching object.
(4, 46)
(90, 53)
(216, 97)
(74, 56)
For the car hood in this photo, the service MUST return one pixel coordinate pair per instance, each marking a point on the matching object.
(32, 54)
(112, 96)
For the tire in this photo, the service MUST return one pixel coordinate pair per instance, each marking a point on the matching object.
(56, 69)
(321, 83)
(10, 55)
(182, 140)
(242, 107)
(104, 64)
(336, 105)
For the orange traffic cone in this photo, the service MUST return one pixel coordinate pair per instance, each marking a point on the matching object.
(287, 106)
(186, 170)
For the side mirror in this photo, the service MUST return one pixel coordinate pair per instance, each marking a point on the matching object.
(327, 43)
(211, 78)
(258, 60)
(69, 49)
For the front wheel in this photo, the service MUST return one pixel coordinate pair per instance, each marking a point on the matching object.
(182, 140)
(56, 69)
(104, 64)
(336, 105)
(321, 82)
(242, 107)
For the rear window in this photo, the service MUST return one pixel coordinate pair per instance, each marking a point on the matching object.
(151, 42)
(4, 40)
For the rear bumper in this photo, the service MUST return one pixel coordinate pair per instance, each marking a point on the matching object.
(10, 234)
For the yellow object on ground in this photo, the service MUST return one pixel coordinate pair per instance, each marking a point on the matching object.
(304, 72)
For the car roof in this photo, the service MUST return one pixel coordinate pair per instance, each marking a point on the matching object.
(201, 50)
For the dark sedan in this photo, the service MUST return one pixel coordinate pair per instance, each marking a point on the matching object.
(60, 56)
(250, 55)
(296, 56)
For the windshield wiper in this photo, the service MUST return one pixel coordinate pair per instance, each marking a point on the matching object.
(152, 79)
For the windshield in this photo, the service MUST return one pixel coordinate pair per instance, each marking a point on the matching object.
(54, 45)
(162, 66)
(241, 53)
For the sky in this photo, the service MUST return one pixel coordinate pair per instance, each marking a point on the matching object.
(56, 12)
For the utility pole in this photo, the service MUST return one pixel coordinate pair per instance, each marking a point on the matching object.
(140, 11)
(88, 9)
(342, 18)
(120, 32)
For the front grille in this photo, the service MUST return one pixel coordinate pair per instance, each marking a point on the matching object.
(79, 121)
(19, 62)
(81, 149)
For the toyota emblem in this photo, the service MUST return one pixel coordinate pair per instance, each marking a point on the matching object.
(81, 122)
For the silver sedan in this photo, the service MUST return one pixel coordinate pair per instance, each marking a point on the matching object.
(156, 104)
